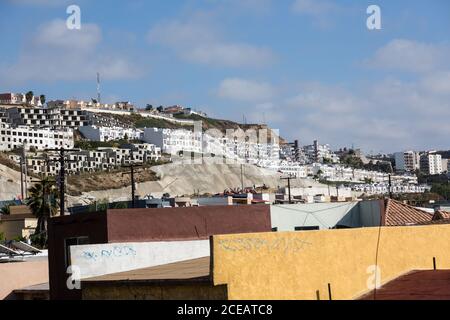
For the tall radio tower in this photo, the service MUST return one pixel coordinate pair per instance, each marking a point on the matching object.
(98, 88)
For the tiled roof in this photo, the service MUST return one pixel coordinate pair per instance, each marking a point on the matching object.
(440, 221)
(439, 215)
(400, 214)
(416, 285)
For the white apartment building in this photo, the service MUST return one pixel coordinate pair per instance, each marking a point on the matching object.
(431, 163)
(319, 152)
(172, 141)
(96, 160)
(408, 161)
(237, 147)
(39, 139)
(54, 117)
(100, 133)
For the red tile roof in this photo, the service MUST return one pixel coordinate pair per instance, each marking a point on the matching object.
(432, 222)
(400, 214)
(416, 285)
(439, 215)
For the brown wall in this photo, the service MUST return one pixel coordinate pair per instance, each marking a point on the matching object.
(92, 225)
(155, 292)
(190, 223)
(142, 225)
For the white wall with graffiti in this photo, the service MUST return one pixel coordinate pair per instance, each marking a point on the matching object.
(100, 259)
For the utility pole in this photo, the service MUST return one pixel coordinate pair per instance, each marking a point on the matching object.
(242, 177)
(390, 187)
(21, 179)
(62, 176)
(44, 183)
(289, 187)
(133, 186)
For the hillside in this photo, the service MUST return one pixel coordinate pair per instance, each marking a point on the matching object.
(9, 183)
(179, 179)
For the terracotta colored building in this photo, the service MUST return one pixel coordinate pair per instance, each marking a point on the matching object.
(143, 225)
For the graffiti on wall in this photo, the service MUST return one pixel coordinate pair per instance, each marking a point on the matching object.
(115, 252)
(285, 245)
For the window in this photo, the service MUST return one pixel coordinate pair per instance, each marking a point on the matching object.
(73, 242)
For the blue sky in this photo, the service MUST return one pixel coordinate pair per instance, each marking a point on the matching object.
(311, 69)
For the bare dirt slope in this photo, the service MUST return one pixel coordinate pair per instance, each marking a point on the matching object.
(187, 179)
(9, 183)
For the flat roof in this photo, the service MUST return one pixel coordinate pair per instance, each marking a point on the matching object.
(196, 270)
(43, 287)
(416, 285)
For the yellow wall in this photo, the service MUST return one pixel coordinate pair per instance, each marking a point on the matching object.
(294, 265)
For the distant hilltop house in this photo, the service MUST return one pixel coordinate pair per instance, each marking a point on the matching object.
(18, 99)
(177, 109)
(80, 104)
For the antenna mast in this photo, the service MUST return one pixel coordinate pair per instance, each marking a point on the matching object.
(98, 88)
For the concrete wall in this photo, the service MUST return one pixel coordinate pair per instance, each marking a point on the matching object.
(101, 259)
(323, 215)
(22, 274)
(214, 201)
(295, 265)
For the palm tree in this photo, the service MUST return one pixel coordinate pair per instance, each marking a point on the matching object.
(29, 97)
(6, 210)
(42, 98)
(43, 202)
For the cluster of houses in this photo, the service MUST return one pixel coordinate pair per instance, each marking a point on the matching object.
(101, 159)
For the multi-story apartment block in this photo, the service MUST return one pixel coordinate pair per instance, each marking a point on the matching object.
(431, 163)
(408, 161)
(317, 153)
(98, 133)
(13, 137)
(172, 141)
(94, 160)
(47, 117)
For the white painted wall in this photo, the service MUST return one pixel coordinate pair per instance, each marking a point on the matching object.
(100, 259)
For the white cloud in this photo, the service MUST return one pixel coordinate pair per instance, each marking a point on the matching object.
(245, 90)
(313, 7)
(438, 82)
(389, 116)
(411, 56)
(320, 11)
(56, 53)
(198, 41)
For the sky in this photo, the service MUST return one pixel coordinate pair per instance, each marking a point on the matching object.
(309, 68)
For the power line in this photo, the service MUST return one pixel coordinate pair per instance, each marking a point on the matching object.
(62, 175)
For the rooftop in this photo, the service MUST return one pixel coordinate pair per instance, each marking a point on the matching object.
(196, 270)
(416, 285)
(400, 214)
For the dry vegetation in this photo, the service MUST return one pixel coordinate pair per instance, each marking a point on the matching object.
(86, 182)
